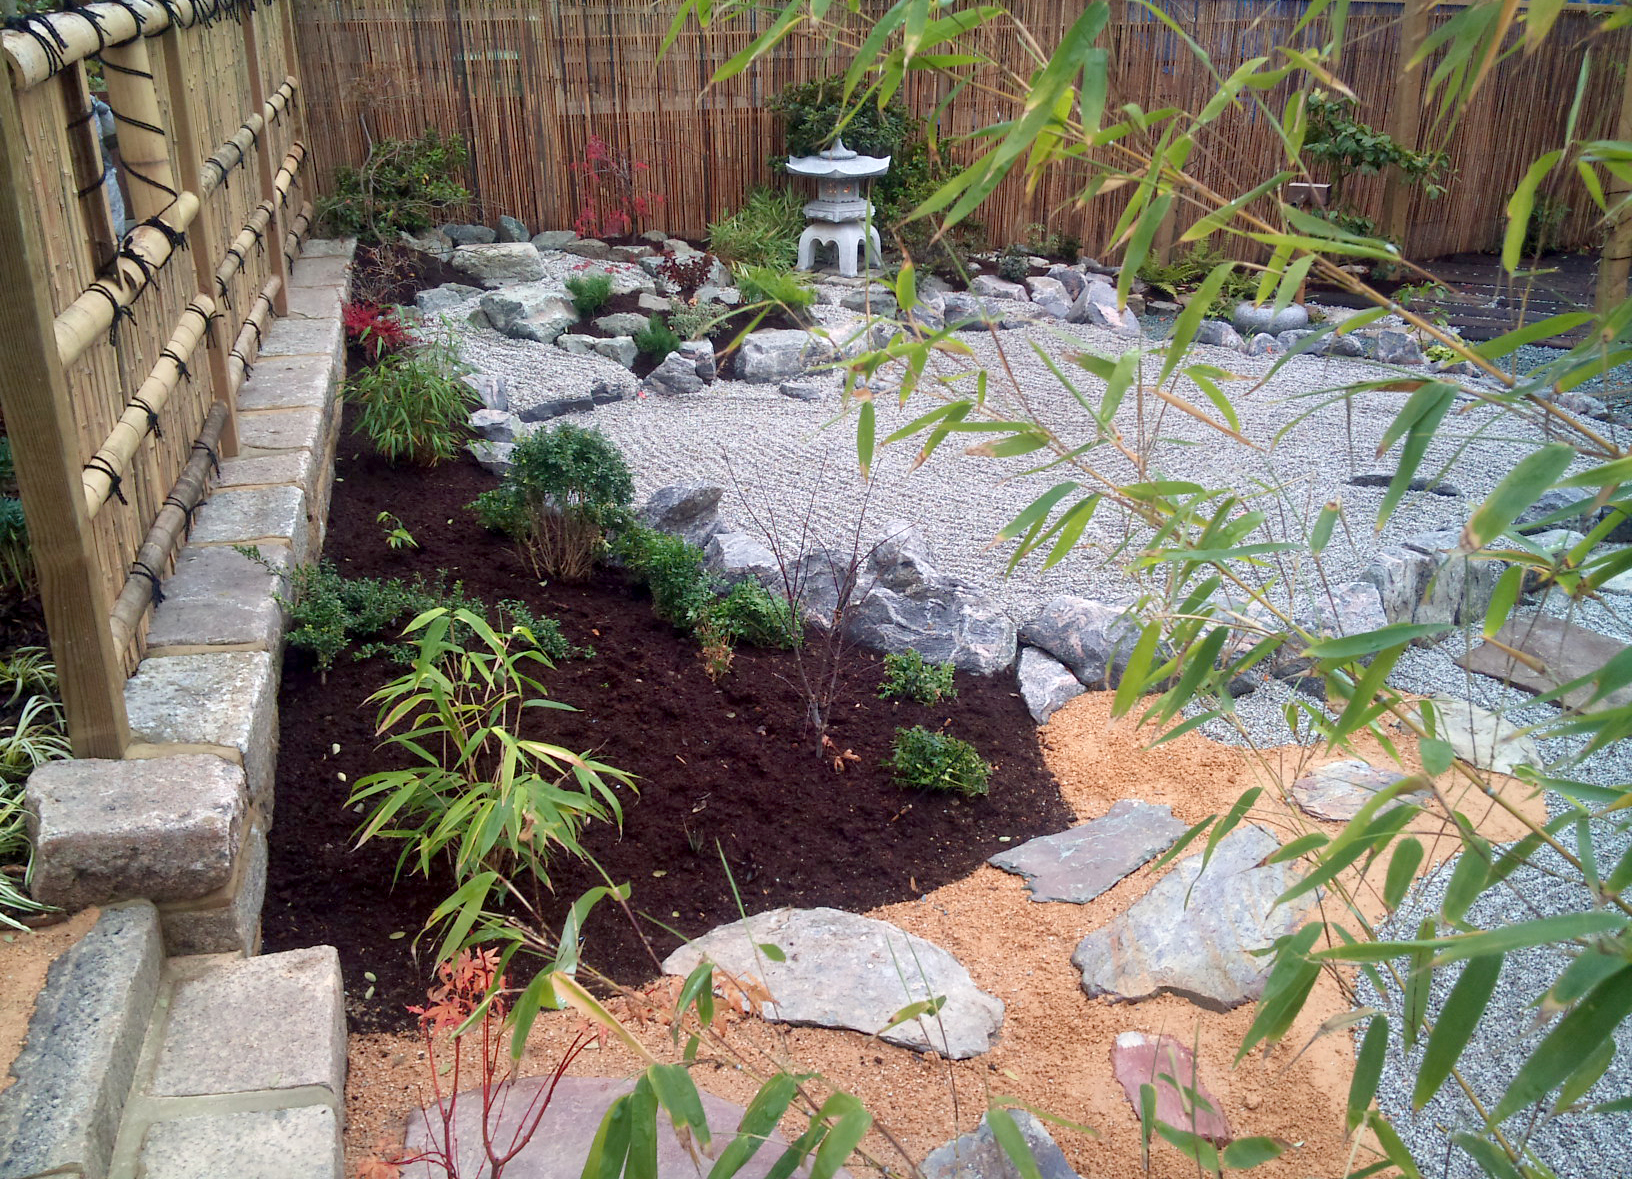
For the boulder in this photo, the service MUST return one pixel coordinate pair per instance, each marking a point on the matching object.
(587, 247)
(1290, 339)
(769, 357)
(801, 390)
(532, 311)
(690, 511)
(623, 323)
(1069, 277)
(1397, 348)
(492, 392)
(1335, 792)
(1194, 934)
(1458, 589)
(632, 253)
(494, 457)
(700, 353)
(555, 407)
(838, 970)
(1046, 684)
(1096, 314)
(495, 425)
(675, 377)
(1218, 334)
(605, 392)
(946, 621)
(576, 343)
(1051, 295)
(727, 296)
(506, 262)
(511, 230)
(1080, 864)
(979, 1156)
(1345, 345)
(736, 556)
(1091, 638)
(1263, 344)
(989, 286)
(1350, 608)
(655, 304)
(967, 312)
(1251, 320)
(431, 241)
(875, 299)
(619, 348)
(469, 235)
(553, 239)
(1556, 500)
(442, 298)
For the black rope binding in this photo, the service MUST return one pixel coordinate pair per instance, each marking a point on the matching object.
(215, 459)
(138, 123)
(186, 511)
(115, 488)
(50, 41)
(84, 116)
(256, 328)
(90, 18)
(177, 238)
(140, 569)
(151, 183)
(141, 23)
(152, 416)
(249, 369)
(120, 311)
(182, 370)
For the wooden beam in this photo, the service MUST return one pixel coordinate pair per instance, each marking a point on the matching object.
(1404, 123)
(1616, 259)
(34, 399)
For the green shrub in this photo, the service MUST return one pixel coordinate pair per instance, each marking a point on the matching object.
(810, 112)
(1013, 266)
(564, 489)
(763, 232)
(908, 677)
(768, 284)
(657, 339)
(927, 760)
(693, 321)
(413, 407)
(1185, 271)
(405, 185)
(590, 292)
(545, 633)
(752, 614)
(671, 569)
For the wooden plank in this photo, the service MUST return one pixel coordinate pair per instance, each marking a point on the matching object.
(34, 398)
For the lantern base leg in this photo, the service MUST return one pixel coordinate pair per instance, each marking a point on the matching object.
(849, 239)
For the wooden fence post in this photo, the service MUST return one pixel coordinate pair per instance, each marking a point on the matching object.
(265, 167)
(34, 398)
(1616, 258)
(1404, 124)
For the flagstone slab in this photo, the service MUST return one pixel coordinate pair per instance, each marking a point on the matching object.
(1159, 1061)
(844, 971)
(1481, 738)
(1566, 652)
(977, 1155)
(1080, 864)
(1336, 792)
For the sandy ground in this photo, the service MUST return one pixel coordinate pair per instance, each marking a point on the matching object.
(24, 959)
(1055, 1044)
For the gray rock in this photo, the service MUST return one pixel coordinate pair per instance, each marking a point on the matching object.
(1163, 307)
(623, 323)
(543, 411)
(1219, 334)
(967, 312)
(729, 296)
(495, 425)
(605, 393)
(1350, 609)
(576, 343)
(469, 235)
(1458, 588)
(532, 311)
(440, 299)
(61, 1115)
(511, 230)
(230, 922)
(587, 247)
(978, 1155)
(632, 253)
(1336, 791)
(553, 239)
(493, 457)
(901, 559)
(675, 377)
(655, 304)
(701, 354)
(1552, 502)
(1051, 295)
(619, 348)
(770, 357)
(1251, 321)
(166, 829)
(1263, 344)
(1198, 943)
(843, 971)
(1345, 345)
(1097, 314)
(989, 286)
(1080, 864)
(299, 1143)
(1291, 339)
(656, 238)
(1068, 277)
(946, 621)
(870, 300)
(1136, 303)
(255, 515)
(1481, 738)
(737, 555)
(1046, 684)
(1397, 348)
(432, 241)
(1091, 638)
(626, 280)
(801, 390)
(491, 265)
(690, 511)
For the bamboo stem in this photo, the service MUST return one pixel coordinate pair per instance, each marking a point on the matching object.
(232, 154)
(146, 153)
(247, 347)
(73, 38)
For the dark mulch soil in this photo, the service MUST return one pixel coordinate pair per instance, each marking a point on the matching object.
(389, 275)
(731, 764)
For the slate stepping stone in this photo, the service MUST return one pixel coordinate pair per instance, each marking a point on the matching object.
(1566, 651)
(1336, 792)
(978, 1156)
(844, 971)
(1079, 864)
(1197, 943)
(1159, 1061)
(561, 1144)
(1481, 738)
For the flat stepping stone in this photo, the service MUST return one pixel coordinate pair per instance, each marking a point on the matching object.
(1159, 1061)
(566, 1131)
(1079, 864)
(844, 971)
(1481, 738)
(978, 1155)
(1566, 651)
(1336, 792)
(1197, 943)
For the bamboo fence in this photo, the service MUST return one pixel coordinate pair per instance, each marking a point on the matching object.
(529, 83)
(123, 357)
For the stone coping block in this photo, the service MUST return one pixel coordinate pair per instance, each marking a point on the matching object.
(260, 470)
(300, 1143)
(167, 828)
(217, 597)
(326, 247)
(232, 925)
(289, 382)
(304, 337)
(315, 302)
(254, 516)
(290, 429)
(225, 702)
(61, 1116)
(256, 1025)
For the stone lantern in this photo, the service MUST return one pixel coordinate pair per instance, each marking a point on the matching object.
(839, 214)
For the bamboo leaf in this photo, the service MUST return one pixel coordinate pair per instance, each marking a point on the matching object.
(1457, 1020)
(1402, 871)
(1368, 1070)
(1519, 206)
(1522, 486)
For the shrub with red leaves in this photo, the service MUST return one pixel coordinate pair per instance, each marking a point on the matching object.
(374, 329)
(687, 273)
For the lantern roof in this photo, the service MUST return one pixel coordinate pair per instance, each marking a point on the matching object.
(838, 162)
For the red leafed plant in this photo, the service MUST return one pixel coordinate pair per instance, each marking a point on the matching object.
(616, 199)
(374, 329)
(687, 273)
(465, 1014)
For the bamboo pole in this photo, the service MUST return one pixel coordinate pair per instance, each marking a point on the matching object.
(235, 151)
(40, 425)
(255, 231)
(137, 421)
(72, 37)
(146, 153)
(168, 529)
(83, 321)
(247, 347)
(297, 233)
(1616, 259)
